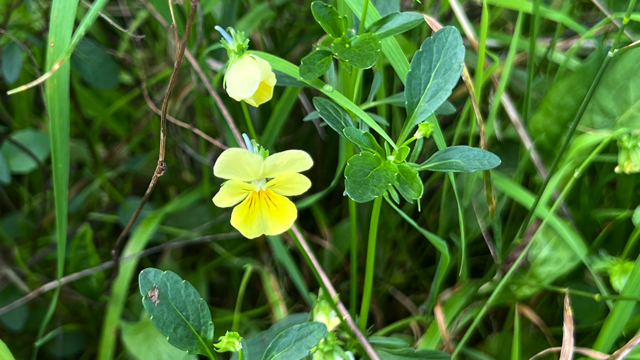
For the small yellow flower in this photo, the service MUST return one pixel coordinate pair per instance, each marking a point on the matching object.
(261, 186)
(251, 79)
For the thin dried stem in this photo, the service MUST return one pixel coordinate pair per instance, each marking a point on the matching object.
(203, 78)
(334, 295)
(114, 24)
(161, 168)
(104, 266)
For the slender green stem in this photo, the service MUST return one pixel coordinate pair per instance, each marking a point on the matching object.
(245, 111)
(524, 252)
(533, 35)
(635, 235)
(515, 344)
(370, 265)
(353, 245)
(363, 17)
(243, 289)
(353, 254)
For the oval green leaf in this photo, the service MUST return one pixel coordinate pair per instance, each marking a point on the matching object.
(11, 62)
(295, 342)
(177, 310)
(329, 18)
(315, 64)
(363, 139)
(395, 23)
(334, 115)
(461, 159)
(435, 70)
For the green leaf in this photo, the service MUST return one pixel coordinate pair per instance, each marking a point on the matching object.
(333, 114)
(446, 108)
(411, 354)
(5, 353)
(460, 159)
(315, 64)
(408, 182)
(435, 70)
(5, 173)
(177, 310)
(143, 341)
(395, 23)
(635, 218)
(259, 342)
(367, 176)
(329, 18)
(363, 139)
(17, 159)
(295, 342)
(11, 62)
(361, 51)
(616, 101)
(401, 154)
(95, 65)
(85, 256)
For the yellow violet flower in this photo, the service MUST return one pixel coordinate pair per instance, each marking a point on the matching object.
(251, 79)
(261, 186)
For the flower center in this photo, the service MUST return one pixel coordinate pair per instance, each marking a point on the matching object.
(260, 183)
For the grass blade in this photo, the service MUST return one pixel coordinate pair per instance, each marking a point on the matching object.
(63, 13)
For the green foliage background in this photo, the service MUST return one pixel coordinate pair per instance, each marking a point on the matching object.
(444, 256)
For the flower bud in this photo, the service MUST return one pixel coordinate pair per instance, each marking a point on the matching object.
(250, 79)
(231, 341)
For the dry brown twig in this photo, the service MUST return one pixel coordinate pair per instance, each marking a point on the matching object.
(104, 266)
(161, 167)
(334, 295)
(203, 78)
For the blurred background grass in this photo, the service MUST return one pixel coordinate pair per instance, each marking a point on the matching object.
(118, 76)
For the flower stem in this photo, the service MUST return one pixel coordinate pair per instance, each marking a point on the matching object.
(353, 247)
(247, 118)
(371, 257)
(243, 288)
(363, 17)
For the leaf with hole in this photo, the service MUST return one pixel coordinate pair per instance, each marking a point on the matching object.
(364, 140)
(295, 342)
(435, 70)
(329, 18)
(177, 310)
(368, 176)
(333, 114)
(395, 23)
(460, 159)
(362, 51)
(11, 62)
(315, 64)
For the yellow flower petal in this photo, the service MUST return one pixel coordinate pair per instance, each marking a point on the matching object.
(290, 161)
(264, 92)
(289, 184)
(238, 164)
(266, 74)
(243, 78)
(264, 212)
(232, 192)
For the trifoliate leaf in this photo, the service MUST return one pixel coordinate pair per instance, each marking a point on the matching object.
(368, 176)
(315, 64)
(362, 51)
